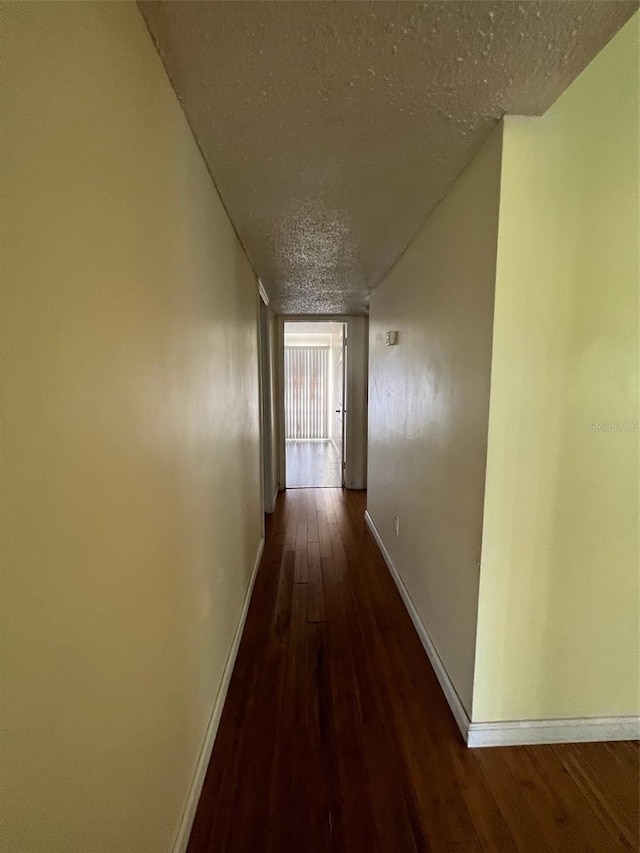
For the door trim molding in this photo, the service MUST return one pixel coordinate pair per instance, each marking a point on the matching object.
(279, 342)
(202, 764)
(263, 293)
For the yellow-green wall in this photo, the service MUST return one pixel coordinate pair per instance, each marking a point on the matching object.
(131, 484)
(558, 607)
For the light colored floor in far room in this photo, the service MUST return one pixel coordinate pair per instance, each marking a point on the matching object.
(312, 464)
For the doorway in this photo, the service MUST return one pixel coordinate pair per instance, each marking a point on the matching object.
(314, 403)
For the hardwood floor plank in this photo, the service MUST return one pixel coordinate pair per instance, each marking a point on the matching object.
(250, 807)
(612, 781)
(289, 508)
(336, 736)
(391, 815)
(282, 610)
(324, 539)
(583, 818)
(217, 791)
(315, 586)
(356, 799)
(595, 791)
(487, 818)
(547, 810)
(294, 709)
(301, 574)
(312, 520)
(514, 807)
(628, 759)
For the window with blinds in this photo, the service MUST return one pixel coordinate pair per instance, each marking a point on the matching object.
(306, 400)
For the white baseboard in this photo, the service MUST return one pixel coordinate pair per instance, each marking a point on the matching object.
(526, 732)
(513, 733)
(457, 708)
(189, 813)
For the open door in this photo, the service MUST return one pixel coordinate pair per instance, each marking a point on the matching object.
(343, 403)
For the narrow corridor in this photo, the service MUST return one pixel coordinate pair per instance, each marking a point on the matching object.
(336, 736)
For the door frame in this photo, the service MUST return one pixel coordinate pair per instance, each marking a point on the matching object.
(347, 319)
(344, 415)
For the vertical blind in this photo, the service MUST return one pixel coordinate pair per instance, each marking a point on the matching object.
(306, 401)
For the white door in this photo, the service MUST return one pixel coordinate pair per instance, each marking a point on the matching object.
(343, 405)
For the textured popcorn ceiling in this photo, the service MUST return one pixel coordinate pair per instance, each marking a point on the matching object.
(332, 129)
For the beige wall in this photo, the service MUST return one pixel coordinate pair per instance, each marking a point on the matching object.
(558, 617)
(355, 471)
(428, 409)
(131, 505)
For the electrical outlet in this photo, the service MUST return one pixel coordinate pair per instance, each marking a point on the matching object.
(396, 525)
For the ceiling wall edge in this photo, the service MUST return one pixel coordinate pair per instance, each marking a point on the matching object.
(498, 125)
(196, 139)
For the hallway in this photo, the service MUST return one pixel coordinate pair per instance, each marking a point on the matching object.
(336, 736)
(312, 464)
(411, 229)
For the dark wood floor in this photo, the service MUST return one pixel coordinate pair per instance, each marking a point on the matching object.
(336, 736)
